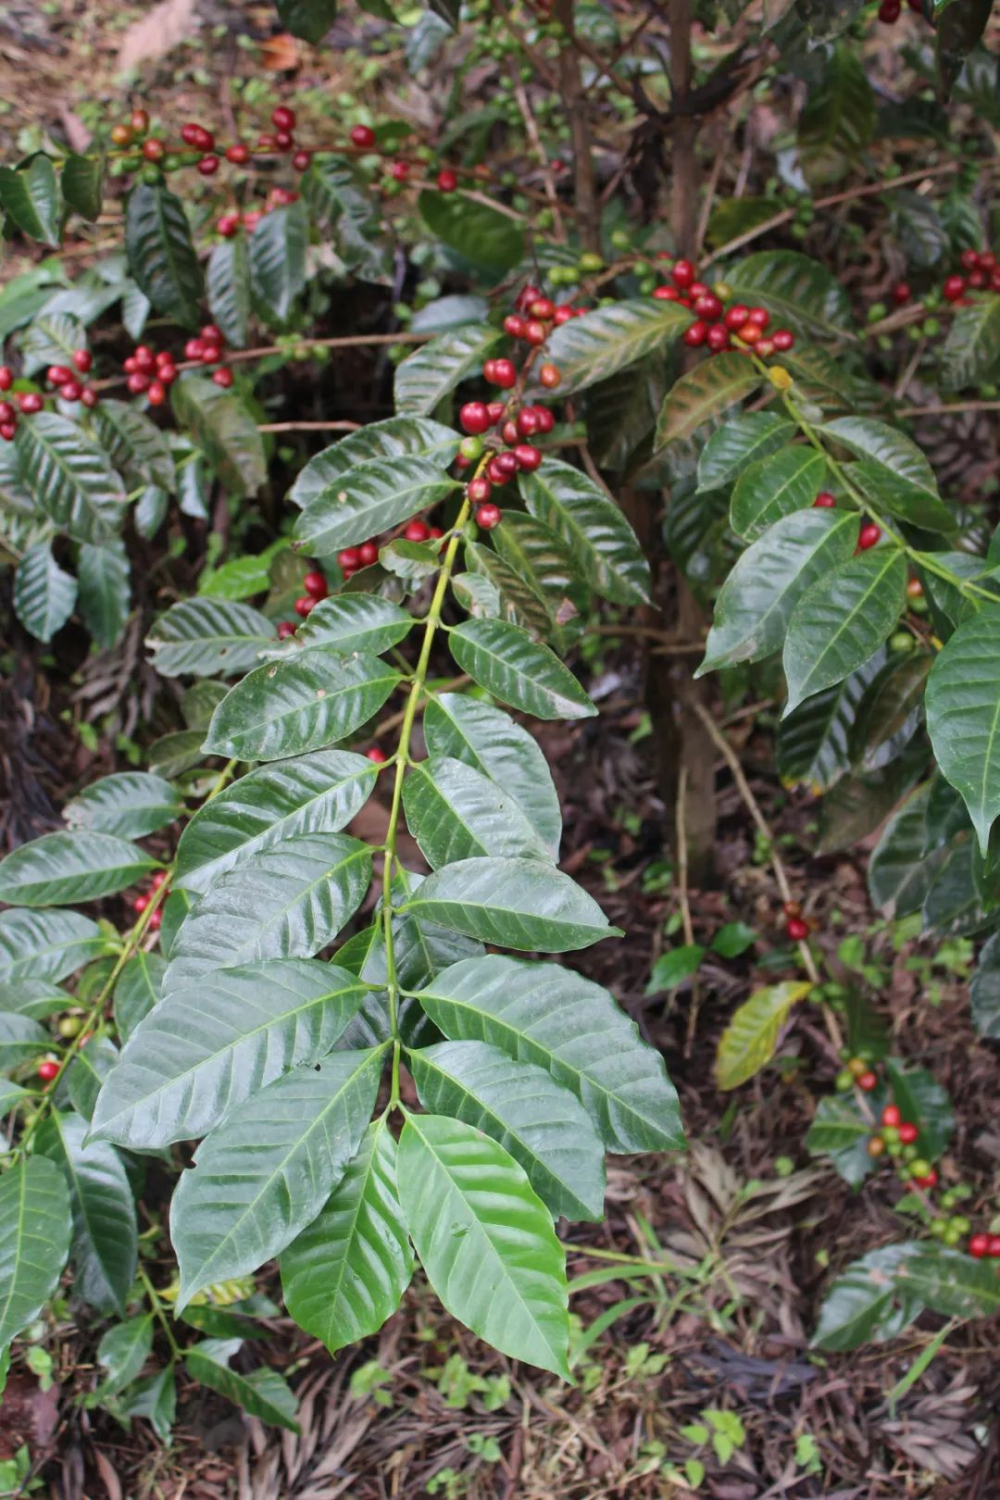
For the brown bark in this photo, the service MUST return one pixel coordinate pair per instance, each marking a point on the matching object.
(571, 83)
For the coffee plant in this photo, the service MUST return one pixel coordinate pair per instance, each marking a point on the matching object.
(203, 953)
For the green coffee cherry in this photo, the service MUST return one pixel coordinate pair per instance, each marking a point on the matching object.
(590, 261)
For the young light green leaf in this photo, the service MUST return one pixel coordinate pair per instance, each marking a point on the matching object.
(455, 812)
(571, 1027)
(425, 377)
(203, 1050)
(609, 339)
(487, 739)
(267, 1170)
(702, 393)
(287, 708)
(286, 902)
(129, 804)
(505, 660)
(160, 253)
(371, 498)
(757, 599)
(485, 1239)
(962, 703)
(515, 903)
(62, 869)
(318, 793)
(748, 1042)
(543, 1125)
(598, 536)
(44, 595)
(202, 637)
(347, 1271)
(105, 1233)
(35, 1224)
(840, 622)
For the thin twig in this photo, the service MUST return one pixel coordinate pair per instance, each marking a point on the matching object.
(309, 426)
(682, 894)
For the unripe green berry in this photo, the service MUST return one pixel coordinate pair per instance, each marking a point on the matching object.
(890, 1133)
(938, 1228)
(902, 642)
(920, 1166)
(590, 261)
(844, 1081)
(620, 239)
(912, 1155)
(471, 448)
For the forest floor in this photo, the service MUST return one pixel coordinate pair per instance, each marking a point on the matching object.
(732, 1245)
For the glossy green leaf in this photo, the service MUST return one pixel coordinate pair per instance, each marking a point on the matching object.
(134, 444)
(749, 1041)
(739, 442)
(228, 288)
(962, 702)
(972, 348)
(474, 230)
(571, 1027)
(308, 19)
(756, 601)
(318, 793)
(287, 902)
(355, 622)
(863, 1301)
(879, 443)
(814, 740)
(515, 903)
(277, 257)
(890, 710)
(923, 1101)
(263, 1393)
(154, 1398)
(139, 988)
(129, 804)
(103, 577)
(68, 477)
(485, 1239)
(202, 637)
(950, 1282)
(842, 620)
(839, 1130)
(50, 339)
(105, 1233)
(161, 256)
(82, 184)
(487, 739)
(30, 195)
(541, 1124)
(896, 496)
(123, 1351)
(505, 660)
(899, 870)
(46, 944)
(609, 339)
(223, 427)
(455, 812)
(287, 708)
(425, 377)
(797, 291)
(596, 533)
(61, 869)
(399, 437)
(369, 499)
(346, 1272)
(21, 1039)
(519, 601)
(984, 991)
(702, 393)
(44, 596)
(87, 1072)
(206, 1049)
(776, 486)
(37, 998)
(35, 1225)
(267, 1170)
(413, 561)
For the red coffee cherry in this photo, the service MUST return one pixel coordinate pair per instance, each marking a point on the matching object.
(283, 118)
(6, 377)
(535, 332)
(284, 140)
(682, 273)
(400, 170)
(238, 154)
(514, 324)
(348, 560)
(7, 412)
(8, 431)
(48, 1070)
(543, 308)
(315, 584)
(156, 919)
(305, 605)
(157, 392)
(479, 489)
(208, 166)
(783, 340)
(527, 422)
(796, 930)
(914, 588)
(901, 293)
(139, 121)
(495, 474)
(868, 1081)
(193, 134)
(908, 1133)
(496, 410)
(223, 377)
(503, 373)
(367, 554)
(302, 160)
(546, 421)
(488, 516)
(417, 531)
(375, 754)
(868, 536)
(474, 418)
(666, 294)
(550, 376)
(89, 397)
(892, 1115)
(824, 500)
(563, 314)
(736, 317)
(708, 306)
(750, 333)
(718, 338)
(954, 288)
(82, 360)
(154, 149)
(58, 374)
(30, 402)
(447, 180)
(528, 457)
(696, 334)
(286, 628)
(978, 1245)
(363, 136)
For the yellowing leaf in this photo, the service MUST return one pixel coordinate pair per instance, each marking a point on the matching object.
(748, 1042)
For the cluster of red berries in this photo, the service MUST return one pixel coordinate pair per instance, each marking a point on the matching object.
(797, 927)
(716, 325)
(229, 223)
(982, 273)
(891, 10)
(141, 902)
(364, 137)
(64, 383)
(149, 372)
(201, 140)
